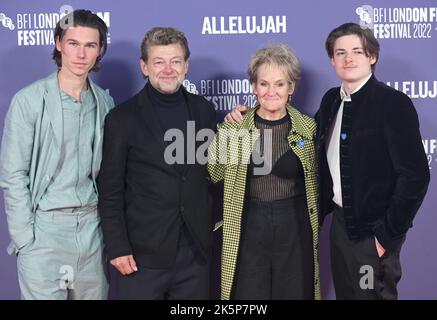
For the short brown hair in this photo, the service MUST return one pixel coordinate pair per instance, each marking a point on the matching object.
(83, 18)
(368, 40)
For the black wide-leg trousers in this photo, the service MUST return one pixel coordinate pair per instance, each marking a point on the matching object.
(275, 259)
(358, 272)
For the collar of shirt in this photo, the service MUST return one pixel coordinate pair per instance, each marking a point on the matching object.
(345, 97)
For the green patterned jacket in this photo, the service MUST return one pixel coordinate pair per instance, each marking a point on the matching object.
(236, 141)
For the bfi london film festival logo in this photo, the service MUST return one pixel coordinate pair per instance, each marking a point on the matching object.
(6, 21)
(36, 29)
(190, 87)
(365, 13)
(399, 22)
(225, 94)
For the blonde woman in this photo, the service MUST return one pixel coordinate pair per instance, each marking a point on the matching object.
(270, 218)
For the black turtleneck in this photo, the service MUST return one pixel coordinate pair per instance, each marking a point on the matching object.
(172, 108)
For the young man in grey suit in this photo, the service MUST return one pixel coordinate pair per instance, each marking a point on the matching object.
(50, 158)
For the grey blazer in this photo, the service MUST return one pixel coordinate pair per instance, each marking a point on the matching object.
(31, 149)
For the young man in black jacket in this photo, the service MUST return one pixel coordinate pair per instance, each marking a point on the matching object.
(372, 167)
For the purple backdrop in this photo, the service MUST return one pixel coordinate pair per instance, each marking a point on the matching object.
(222, 36)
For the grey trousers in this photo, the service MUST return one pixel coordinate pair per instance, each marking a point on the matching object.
(65, 261)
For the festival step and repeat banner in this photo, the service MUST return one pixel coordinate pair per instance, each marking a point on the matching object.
(222, 37)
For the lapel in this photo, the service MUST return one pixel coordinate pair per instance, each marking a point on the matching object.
(254, 134)
(150, 118)
(249, 120)
(331, 115)
(53, 106)
(358, 98)
(243, 151)
(101, 111)
(193, 115)
(298, 130)
(192, 109)
(300, 137)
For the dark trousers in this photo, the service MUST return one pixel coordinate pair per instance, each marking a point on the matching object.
(187, 279)
(276, 256)
(358, 272)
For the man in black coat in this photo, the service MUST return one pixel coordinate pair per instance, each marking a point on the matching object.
(373, 169)
(153, 193)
